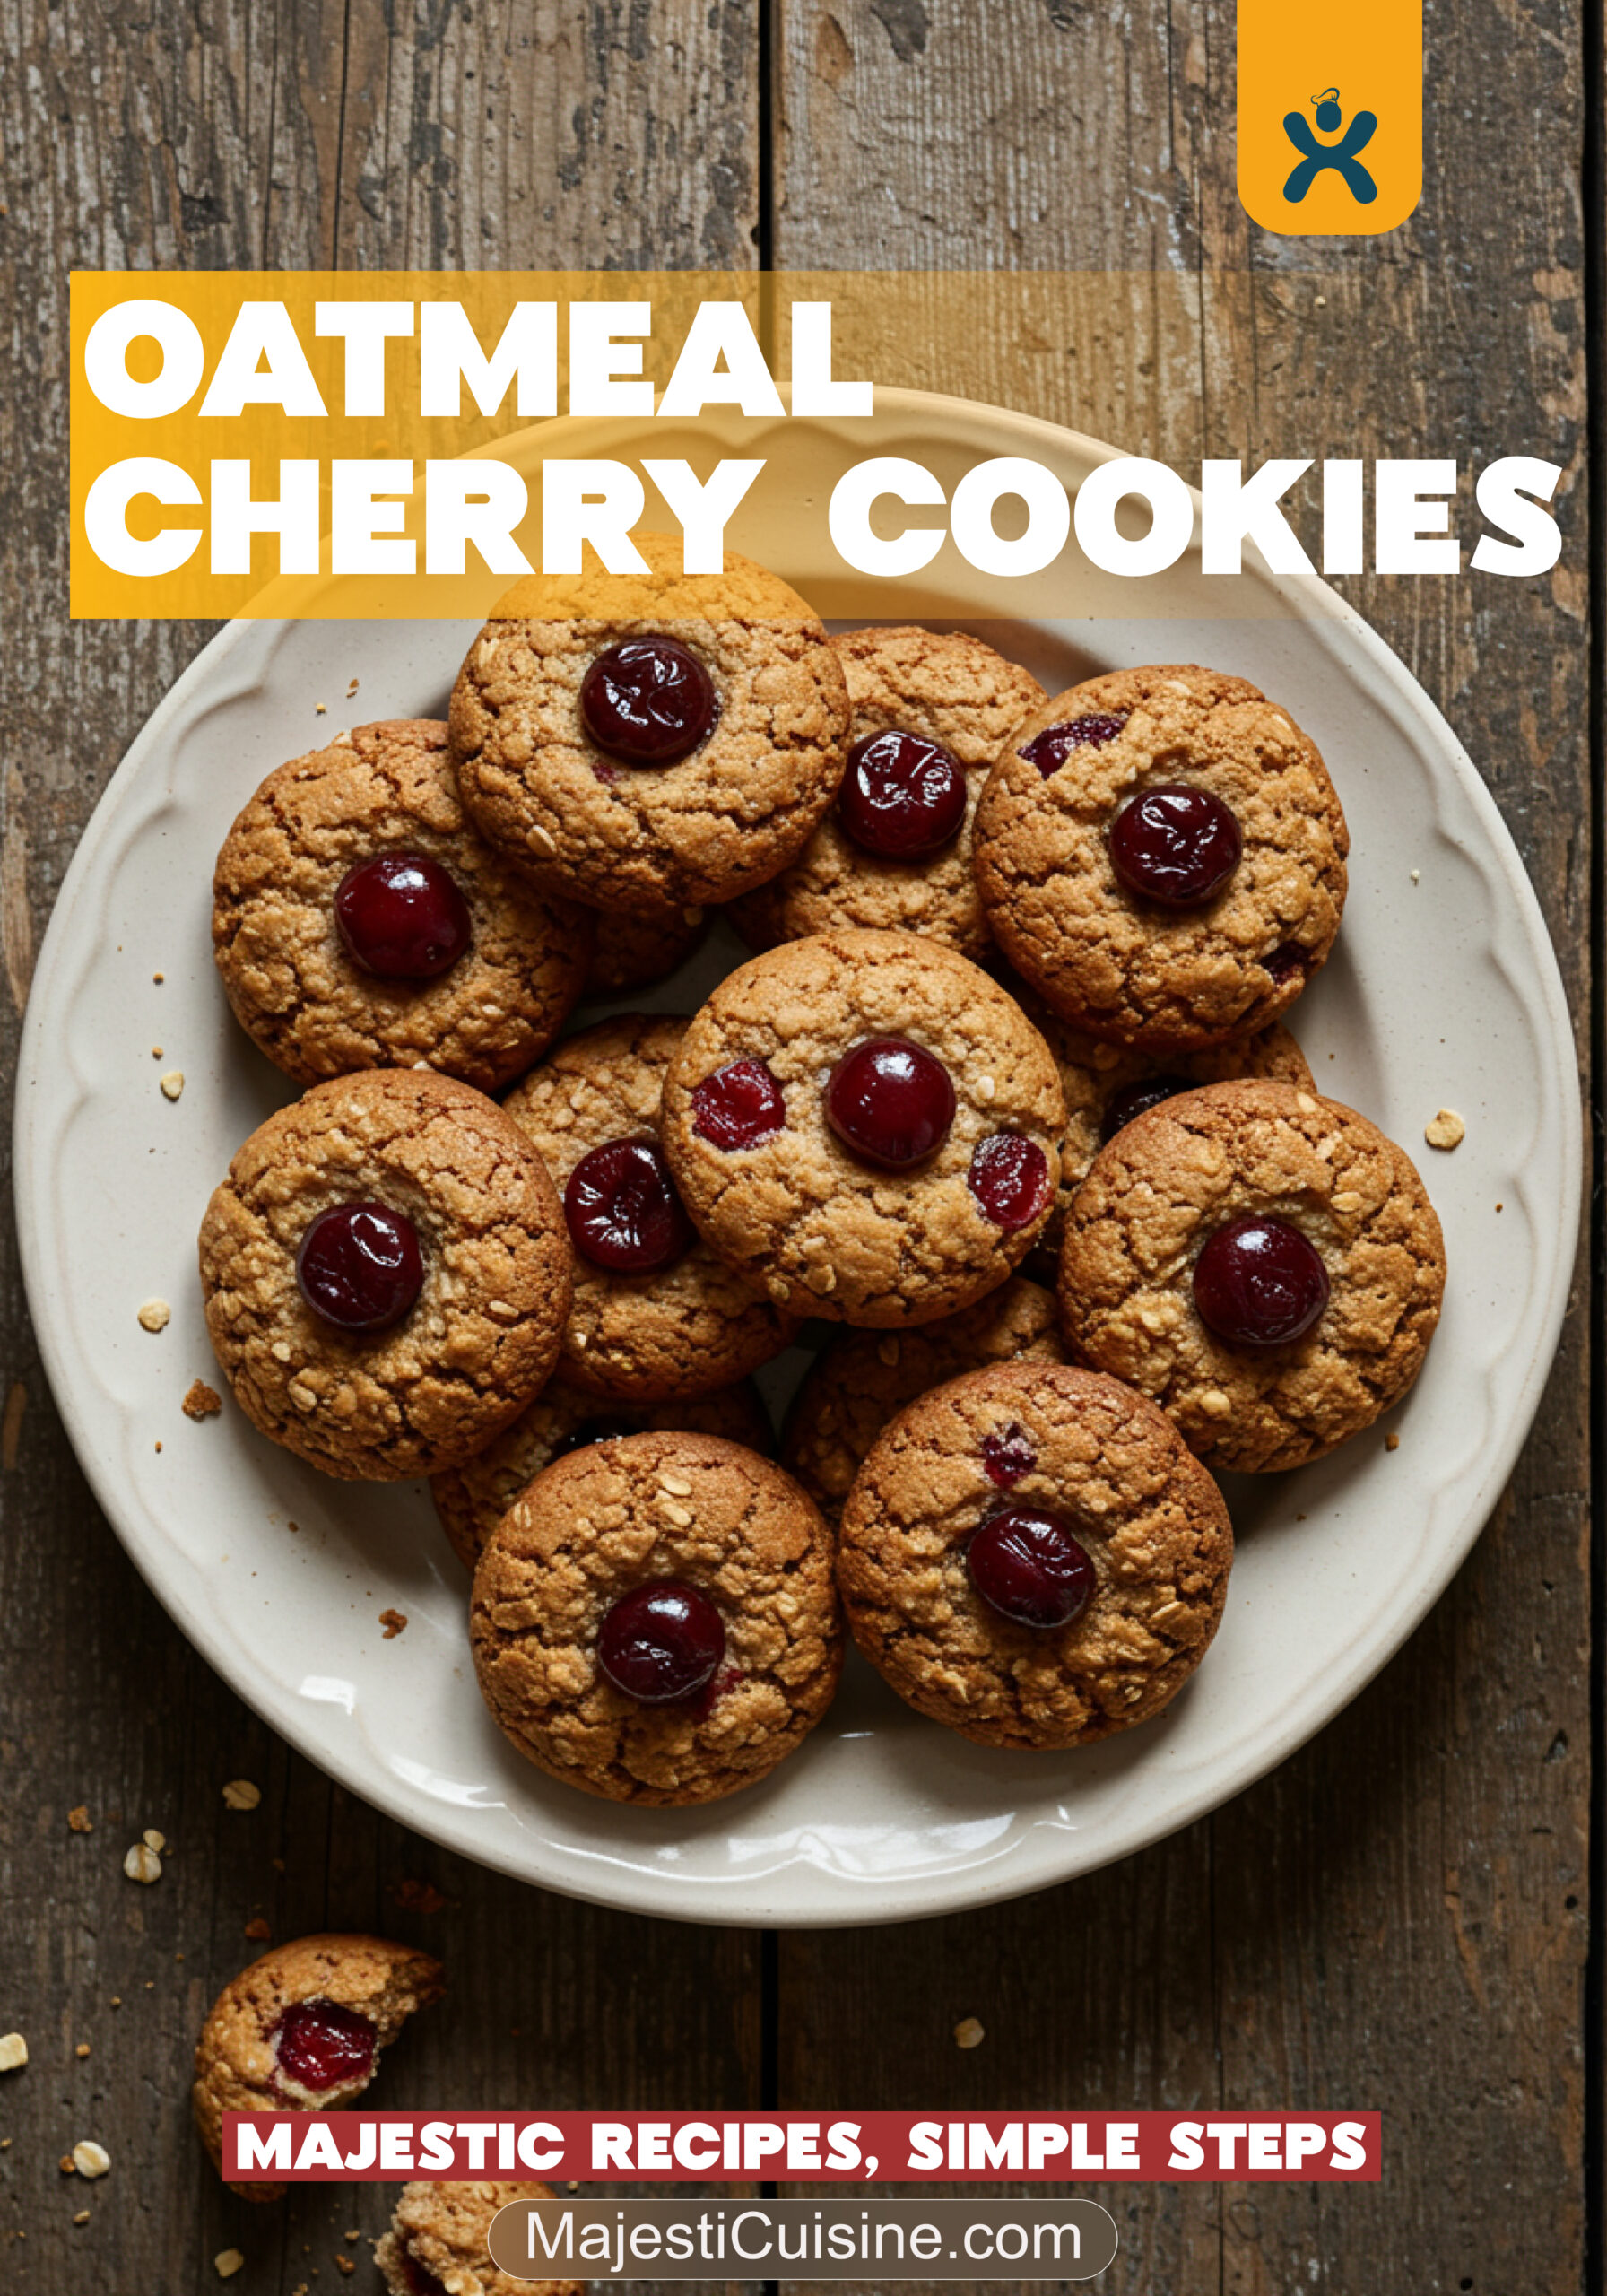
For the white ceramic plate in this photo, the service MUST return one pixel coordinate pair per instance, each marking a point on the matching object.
(1444, 990)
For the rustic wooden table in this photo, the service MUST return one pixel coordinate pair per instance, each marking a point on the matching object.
(1399, 1917)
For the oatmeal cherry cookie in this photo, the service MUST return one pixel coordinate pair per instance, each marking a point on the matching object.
(387, 1275)
(863, 1379)
(1030, 1556)
(473, 1498)
(640, 741)
(359, 922)
(301, 2031)
(655, 1619)
(867, 1123)
(436, 2244)
(931, 711)
(1262, 1262)
(636, 951)
(1161, 854)
(656, 1313)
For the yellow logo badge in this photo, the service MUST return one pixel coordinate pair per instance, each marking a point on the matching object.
(1330, 115)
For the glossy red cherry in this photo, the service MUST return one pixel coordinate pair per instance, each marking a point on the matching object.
(1007, 1454)
(402, 917)
(1049, 749)
(661, 1643)
(648, 701)
(739, 1106)
(1138, 1099)
(890, 1101)
(902, 796)
(1176, 846)
(1010, 1179)
(1288, 958)
(1259, 1283)
(360, 1266)
(622, 1211)
(1029, 1565)
(321, 2045)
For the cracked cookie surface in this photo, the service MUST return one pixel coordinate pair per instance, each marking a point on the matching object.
(583, 826)
(389, 788)
(619, 1514)
(236, 2057)
(1167, 1182)
(1164, 981)
(863, 1379)
(1147, 1514)
(829, 1233)
(685, 1329)
(472, 1499)
(441, 2227)
(950, 688)
(483, 1337)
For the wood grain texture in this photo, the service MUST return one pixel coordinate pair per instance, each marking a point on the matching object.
(1398, 1917)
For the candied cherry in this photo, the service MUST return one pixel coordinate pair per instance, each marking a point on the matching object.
(1010, 1179)
(1178, 845)
(402, 917)
(648, 701)
(622, 1211)
(902, 796)
(661, 1643)
(321, 2045)
(1138, 1099)
(739, 1106)
(890, 1102)
(1029, 1564)
(1259, 1283)
(1007, 1454)
(360, 1266)
(1049, 749)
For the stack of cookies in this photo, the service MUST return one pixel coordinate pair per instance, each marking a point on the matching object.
(1006, 1093)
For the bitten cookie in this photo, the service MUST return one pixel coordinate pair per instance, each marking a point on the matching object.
(1031, 1557)
(1162, 854)
(656, 1313)
(867, 1123)
(932, 709)
(358, 921)
(653, 739)
(436, 2244)
(387, 1275)
(301, 2031)
(863, 1379)
(655, 1619)
(1264, 1263)
(473, 1498)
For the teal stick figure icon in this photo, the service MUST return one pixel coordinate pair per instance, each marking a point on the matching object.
(1341, 157)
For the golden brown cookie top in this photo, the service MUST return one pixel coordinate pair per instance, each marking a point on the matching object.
(1165, 980)
(945, 688)
(1109, 1468)
(831, 1233)
(863, 1379)
(616, 1517)
(686, 1327)
(1169, 1183)
(484, 1335)
(441, 2227)
(383, 790)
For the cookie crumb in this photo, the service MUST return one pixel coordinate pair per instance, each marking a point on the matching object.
(1446, 1130)
(79, 1819)
(355, 2233)
(968, 2033)
(82, 2216)
(201, 1402)
(227, 2263)
(172, 1084)
(11, 1427)
(159, 977)
(1417, 876)
(82, 2050)
(156, 1052)
(393, 1622)
(418, 1897)
(154, 1840)
(239, 1793)
(155, 1315)
(257, 1930)
(90, 2159)
(142, 1864)
(320, 709)
(351, 689)
(345, 2265)
(13, 2052)
(1391, 1442)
